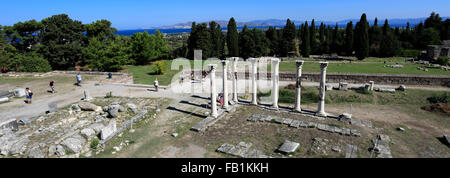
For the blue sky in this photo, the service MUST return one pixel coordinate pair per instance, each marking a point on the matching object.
(132, 14)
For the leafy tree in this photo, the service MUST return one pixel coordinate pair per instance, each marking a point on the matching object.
(145, 47)
(262, 44)
(107, 55)
(232, 39)
(349, 39)
(362, 38)
(32, 62)
(306, 48)
(434, 21)
(61, 41)
(200, 39)
(100, 29)
(25, 36)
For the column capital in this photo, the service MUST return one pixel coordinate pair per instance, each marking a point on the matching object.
(299, 63)
(212, 66)
(253, 60)
(275, 60)
(323, 65)
(224, 62)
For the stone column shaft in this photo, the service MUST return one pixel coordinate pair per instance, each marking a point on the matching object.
(298, 86)
(235, 77)
(212, 69)
(225, 84)
(323, 74)
(254, 84)
(275, 79)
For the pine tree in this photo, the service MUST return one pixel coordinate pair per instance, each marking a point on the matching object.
(349, 39)
(362, 38)
(306, 48)
(232, 39)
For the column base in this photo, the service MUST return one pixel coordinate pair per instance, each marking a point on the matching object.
(297, 110)
(321, 114)
(214, 115)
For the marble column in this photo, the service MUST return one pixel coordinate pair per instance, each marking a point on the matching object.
(323, 74)
(212, 69)
(298, 86)
(254, 84)
(235, 77)
(225, 83)
(275, 80)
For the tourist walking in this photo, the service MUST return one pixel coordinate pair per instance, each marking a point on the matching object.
(29, 95)
(79, 79)
(52, 86)
(156, 84)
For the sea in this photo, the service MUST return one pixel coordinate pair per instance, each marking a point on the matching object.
(176, 30)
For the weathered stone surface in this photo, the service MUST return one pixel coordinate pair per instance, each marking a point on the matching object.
(97, 127)
(19, 147)
(88, 133)
(447, 139)
(289, 147)
(240, 150)
(4, 99)
(132, 107)
(295, 124)
(73, 144)
(75, 107)
(225, 148)
(381, 146)
(19, 93)
(109, 130)
(10, 124)
(36, 152)
(345, 117)
(343, 86)
(351, 151)
(203, 124)
(85, 106)
(287, 121)
(355, 133)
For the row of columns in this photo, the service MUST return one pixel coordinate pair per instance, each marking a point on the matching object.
(275, 90)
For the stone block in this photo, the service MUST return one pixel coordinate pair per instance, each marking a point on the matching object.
(109, 130)
(289, 147)
(295, 124)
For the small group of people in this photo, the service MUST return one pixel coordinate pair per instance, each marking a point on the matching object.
(219, 98)
(29, 93)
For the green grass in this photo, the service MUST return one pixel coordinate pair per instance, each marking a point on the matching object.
(311, 95)
(368, 66)
(146, 74)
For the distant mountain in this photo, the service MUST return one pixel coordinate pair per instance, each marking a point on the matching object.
(280, 23)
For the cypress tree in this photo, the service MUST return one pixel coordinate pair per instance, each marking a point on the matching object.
(232, 39)
(362, 38)
(306, 48)
(313, 37)
(288, 39)
(216, 40)
(272, 36)
(349, 39)
(247, 44)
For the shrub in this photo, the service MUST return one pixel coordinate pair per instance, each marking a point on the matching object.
(94, 143)
(442, 61)
(445, 98)
(410, 53)
(33, 63)
(159, 67)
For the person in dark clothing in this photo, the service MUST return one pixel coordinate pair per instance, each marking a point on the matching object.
(52, 86)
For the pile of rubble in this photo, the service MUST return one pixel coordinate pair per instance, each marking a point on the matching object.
(81, 129)
(381, 146)
(304, 124)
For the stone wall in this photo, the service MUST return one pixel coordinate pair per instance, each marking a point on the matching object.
(36, 74)
(400, 79)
